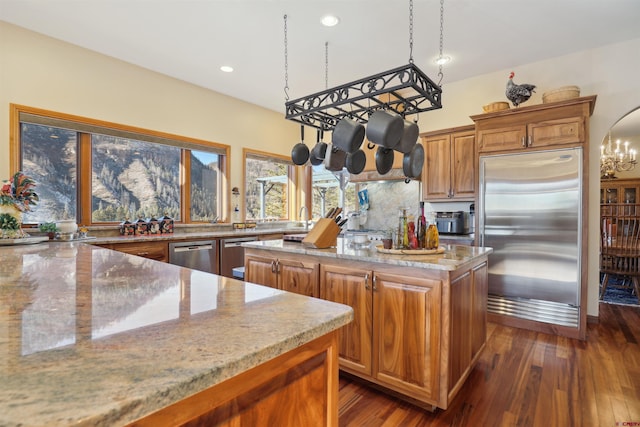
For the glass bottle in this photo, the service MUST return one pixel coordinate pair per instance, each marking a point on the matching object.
(421, 227)
(432, 239)
(405, 229)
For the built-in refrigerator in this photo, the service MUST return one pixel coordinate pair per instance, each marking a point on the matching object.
(530, 214)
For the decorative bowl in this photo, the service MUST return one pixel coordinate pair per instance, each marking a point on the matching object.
(561, 94)
(495, 106)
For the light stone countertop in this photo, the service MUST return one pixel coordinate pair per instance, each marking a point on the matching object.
(91, 336)
(454, 257)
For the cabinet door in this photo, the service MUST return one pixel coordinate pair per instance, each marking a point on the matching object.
(500, 139)
(463, 182)
(437, 167)
(299, 277)
(351, 287)
(260, 270)
(406, 334)
(556, 132)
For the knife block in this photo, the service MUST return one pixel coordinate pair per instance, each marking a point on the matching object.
(323, 235)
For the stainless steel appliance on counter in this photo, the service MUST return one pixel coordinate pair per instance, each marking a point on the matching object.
(530, 214)
(198, 255)
(232, 254)
(451, 222)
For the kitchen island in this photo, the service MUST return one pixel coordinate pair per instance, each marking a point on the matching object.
(92, 336)
(419, 319)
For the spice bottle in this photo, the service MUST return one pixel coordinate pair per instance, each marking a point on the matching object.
(432, 238)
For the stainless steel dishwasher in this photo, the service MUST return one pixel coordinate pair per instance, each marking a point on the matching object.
(232, 254)
(199, 255)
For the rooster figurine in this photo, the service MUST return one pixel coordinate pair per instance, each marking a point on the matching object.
(518, 94)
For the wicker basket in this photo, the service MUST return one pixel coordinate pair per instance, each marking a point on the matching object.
(495, 106)
(561, 94)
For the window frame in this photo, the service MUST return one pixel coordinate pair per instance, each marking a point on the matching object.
(85, 162)
(292, 178)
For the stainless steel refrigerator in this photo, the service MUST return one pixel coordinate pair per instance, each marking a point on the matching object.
(530, 214)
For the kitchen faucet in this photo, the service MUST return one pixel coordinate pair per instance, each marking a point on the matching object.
(306, 217)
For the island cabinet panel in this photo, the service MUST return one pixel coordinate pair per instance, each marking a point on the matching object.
(480, 283)
(299, 388)
(460, 336)
(352, 287)
(291, 275)
(406, 334)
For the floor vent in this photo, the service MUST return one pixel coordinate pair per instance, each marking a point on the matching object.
(537, 310)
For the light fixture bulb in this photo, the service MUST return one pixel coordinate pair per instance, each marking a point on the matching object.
(330, 20)
(226, 69)
(441, 60)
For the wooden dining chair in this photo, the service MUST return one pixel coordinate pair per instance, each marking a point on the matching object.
(620, 246)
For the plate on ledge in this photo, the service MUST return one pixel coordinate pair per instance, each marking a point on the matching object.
(440, 250)
(23, 241)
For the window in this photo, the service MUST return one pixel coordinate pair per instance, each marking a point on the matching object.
(98, 172)
(267, 179)
(327, 191)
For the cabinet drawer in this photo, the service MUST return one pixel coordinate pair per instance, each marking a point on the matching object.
(511, 138)
(152, 250)
(554, 132)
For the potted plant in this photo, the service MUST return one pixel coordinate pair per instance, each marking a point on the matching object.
(17, 195)
(49, 228)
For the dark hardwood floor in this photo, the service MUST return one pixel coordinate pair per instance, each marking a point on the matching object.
(525, 378)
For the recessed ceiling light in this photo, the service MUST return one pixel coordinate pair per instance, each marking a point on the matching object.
(226, 69)
(330, 20)
(444, 59)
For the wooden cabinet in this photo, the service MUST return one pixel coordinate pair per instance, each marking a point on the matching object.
(449, 167)
(291, 275)
(157, 250)
(534, 127)
(620, 191)
(352, 287)
(406, 333)
(416, 331)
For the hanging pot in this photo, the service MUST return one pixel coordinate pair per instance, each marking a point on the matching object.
(334, 159)
(356, 162)
(384, 160)
(413, 161)
(409, 137)
(318, 151)
(300, 152)
(384, 129)
(348, 135)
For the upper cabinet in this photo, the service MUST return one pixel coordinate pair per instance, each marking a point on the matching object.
(449, 166)
(620, 191)
(536, 127)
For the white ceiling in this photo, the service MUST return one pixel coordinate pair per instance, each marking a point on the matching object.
(191, 39)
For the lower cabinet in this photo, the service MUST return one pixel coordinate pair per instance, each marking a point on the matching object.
(291, 275)
(158, 250)
(416, 332)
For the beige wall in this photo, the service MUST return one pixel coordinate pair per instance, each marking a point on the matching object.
(41, 72)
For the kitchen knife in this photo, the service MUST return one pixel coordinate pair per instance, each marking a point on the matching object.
(343, 222)
(337, 219)
(330, 213)
(337, 212)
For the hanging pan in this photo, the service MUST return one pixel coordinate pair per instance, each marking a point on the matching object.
(384, 160)
(318, 151)
(334, 159)
(356, 162)
(300, 151)
(409, 137)
(348, 135)
(384, 129)
(413, 161)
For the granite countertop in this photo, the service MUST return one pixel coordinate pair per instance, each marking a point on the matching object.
(93, 337)
(454, 256)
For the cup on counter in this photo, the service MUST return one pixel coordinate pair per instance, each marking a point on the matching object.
(387, 242)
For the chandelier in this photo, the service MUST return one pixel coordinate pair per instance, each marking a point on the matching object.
(616, 159)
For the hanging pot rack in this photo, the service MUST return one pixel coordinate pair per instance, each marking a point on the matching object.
(404, 90)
